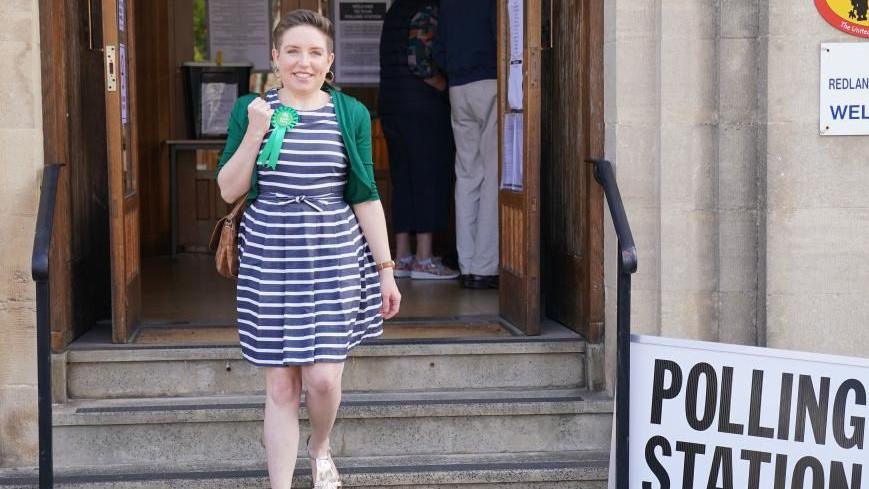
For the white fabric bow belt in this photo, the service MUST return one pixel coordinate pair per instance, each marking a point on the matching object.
(313, 201)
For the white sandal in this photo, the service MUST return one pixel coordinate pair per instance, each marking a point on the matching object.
(325, 473)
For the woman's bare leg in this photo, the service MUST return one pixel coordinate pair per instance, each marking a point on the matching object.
(281, 426)
(322, 397)
(423, 246)
(402, 245)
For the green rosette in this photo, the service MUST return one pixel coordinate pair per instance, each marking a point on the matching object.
(284, 118)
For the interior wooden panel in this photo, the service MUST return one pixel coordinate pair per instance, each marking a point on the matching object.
(203, 199)
(563, 169)
(154, 125)
(199, 201)
(131, 238)
(168, 27)
(513, 228)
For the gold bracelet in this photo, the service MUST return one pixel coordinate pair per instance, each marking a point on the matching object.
(386, 264)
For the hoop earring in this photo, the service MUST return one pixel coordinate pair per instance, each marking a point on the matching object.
(330, 76)
(277, 75)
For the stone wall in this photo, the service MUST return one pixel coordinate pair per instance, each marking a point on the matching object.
(21, 162)
(817, 215)
(750, 226)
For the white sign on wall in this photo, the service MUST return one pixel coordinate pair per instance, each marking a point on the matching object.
(844, 89)
(707, 415)
(358, 24)
(240, 30)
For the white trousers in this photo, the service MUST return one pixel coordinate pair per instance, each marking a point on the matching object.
(474, 119)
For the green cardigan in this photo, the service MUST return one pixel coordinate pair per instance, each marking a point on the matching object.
(355, 123)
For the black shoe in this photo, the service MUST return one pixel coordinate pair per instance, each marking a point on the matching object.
(491, 280)
(471, 281)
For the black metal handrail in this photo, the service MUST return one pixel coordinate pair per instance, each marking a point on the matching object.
(627, 260)
(40, 270)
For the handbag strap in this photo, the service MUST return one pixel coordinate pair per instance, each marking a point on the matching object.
(237, 207)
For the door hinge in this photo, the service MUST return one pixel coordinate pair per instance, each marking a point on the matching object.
(111, 69)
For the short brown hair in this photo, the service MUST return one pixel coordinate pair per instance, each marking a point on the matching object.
(299, 17)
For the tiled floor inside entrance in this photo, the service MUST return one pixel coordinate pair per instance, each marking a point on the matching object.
(185, 301)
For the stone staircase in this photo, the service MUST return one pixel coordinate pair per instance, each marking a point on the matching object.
(441, 413)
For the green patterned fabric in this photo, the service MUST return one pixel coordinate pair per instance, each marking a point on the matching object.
(423, 29)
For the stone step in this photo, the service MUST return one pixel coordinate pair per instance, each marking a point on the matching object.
(437, 422)
(127, 372)
(560, 470)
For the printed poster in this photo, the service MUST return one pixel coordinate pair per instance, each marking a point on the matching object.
(511, 170)
(239, 29)
(516, 28)
(357, 35)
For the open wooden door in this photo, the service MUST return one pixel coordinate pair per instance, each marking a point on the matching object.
(573, 130)
(519, 207)
(123, 167)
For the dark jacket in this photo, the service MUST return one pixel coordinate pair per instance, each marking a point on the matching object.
(466, 46)
(401, 90)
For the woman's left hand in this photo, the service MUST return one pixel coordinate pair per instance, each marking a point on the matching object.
(389, 294)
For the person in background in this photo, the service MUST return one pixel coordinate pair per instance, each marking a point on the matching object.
(466, 49)
(415, 114)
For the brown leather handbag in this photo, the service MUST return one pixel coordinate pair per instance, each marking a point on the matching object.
(224, 240)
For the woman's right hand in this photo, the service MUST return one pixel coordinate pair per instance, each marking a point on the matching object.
(259, 116)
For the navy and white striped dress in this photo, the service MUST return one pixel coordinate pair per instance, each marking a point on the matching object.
(308, 289)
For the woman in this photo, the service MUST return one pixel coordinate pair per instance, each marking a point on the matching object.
(415, 112)
(311, 286)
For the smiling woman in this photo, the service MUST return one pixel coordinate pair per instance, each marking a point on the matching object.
(315, 275)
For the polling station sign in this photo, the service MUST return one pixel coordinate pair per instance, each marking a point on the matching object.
(710, 415)
(844, 107)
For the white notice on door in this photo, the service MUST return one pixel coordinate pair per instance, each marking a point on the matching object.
(511, 171)
(516, 28)
(122, 49)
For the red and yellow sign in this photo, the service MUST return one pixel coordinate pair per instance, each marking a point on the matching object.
(851, 16)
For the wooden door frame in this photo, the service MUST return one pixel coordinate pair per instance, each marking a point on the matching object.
(125, 244)
(59, 81)
(593, 111)
(518, 257)
(54, 57)
(593, 108)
